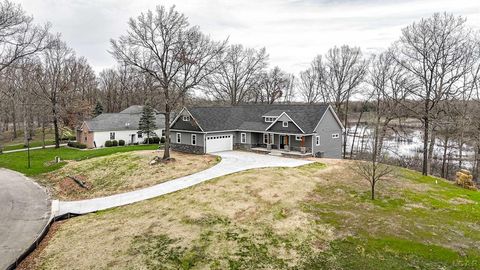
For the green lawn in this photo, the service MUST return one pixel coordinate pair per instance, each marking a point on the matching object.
(42, 160)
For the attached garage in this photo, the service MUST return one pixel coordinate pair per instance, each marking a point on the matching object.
(217, 143)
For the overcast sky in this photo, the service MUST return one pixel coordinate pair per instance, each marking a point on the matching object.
(293, 31)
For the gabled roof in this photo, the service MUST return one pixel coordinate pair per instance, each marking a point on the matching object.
(250, 117)
(125, 120)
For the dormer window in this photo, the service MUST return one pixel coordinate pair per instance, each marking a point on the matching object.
(285, 124)
(270, 119)
(186, 118)
(127, 124)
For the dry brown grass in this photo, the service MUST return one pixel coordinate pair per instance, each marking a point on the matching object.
(121, 172)
(272, 218)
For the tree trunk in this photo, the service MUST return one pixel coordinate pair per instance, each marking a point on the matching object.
(355, 134)
(43, 132)
(373, 190)
(444, 159)
(345, 125)
(55, 126)
(166, 152)
(425, 146)
(431, 147)
(26, 133)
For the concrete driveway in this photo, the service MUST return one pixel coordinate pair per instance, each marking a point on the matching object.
(232, 161)
(25, 212)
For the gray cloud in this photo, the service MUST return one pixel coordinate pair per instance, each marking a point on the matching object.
(292, 31)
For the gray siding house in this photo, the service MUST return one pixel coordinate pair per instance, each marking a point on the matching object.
(300, 130)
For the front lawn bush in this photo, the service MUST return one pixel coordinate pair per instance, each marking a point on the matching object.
(162, 140)
(114, 143)
(108, 144)
(121, 142)
(156, 140)
(77, 145)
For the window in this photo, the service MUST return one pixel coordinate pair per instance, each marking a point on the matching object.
(269, 119)
(112, 135)
(179, 137)
(186, 118)
(243, 137)
(267, 138)
(86, 139)
(317, 140)
(298, 138)
(140, 134)
(194, 139)
(335, 136)
(285, 124)
(163, 132)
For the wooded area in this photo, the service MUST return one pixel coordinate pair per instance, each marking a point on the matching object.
(427, 81)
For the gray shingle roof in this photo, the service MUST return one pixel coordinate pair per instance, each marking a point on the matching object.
(120, 121)
(136, 109)
(250, 117)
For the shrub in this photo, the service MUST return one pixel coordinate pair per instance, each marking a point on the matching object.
(108, 144)
(465, 179)
(77, 145)
(114, 143)
(156, 140)
(162, 140)
(121, 142)
(148, 141)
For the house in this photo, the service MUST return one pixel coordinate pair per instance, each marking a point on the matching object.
(117, 126)
(303, 130)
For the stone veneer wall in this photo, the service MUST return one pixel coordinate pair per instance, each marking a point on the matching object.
(242, 146)
(186, 148)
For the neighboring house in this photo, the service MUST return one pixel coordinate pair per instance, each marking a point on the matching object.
(117, 126)
(284, 129)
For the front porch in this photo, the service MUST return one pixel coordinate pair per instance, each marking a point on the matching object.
(282, 144)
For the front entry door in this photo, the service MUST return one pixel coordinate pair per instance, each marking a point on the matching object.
(132, 138)
(283, 141)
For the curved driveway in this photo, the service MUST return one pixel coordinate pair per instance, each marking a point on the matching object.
(24, 214)
(232, 162)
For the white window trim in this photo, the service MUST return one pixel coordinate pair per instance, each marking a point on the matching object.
(112, 133)
(272, 136)
(186, 118)
(265, 138)
(335, 136)
(242, 137)
(298, 137)
(179, 138)
(317, 140)
(194, 139)
(284, 123)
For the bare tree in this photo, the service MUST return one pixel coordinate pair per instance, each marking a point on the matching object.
(312, 82)
(53, 79)
(177, 56)
(273, 86)
(437, 52)
(239, 75)
(19, 37)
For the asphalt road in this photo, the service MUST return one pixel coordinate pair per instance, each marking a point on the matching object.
(24, 213)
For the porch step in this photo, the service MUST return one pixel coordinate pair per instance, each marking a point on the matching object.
(277, 154)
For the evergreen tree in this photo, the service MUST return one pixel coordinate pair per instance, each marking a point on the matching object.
(98, 109)
(147, 121)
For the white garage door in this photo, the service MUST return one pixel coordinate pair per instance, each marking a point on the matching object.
(219, 143)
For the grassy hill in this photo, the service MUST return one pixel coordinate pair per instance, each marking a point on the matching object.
(311, 217)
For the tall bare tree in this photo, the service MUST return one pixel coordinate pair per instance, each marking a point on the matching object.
(239, 75)
(177, 56)
(53, 78)
(274, 85)
(437, 52)
(19, 37)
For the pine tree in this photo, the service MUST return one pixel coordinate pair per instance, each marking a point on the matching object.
(147, 121)
(98, 109)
